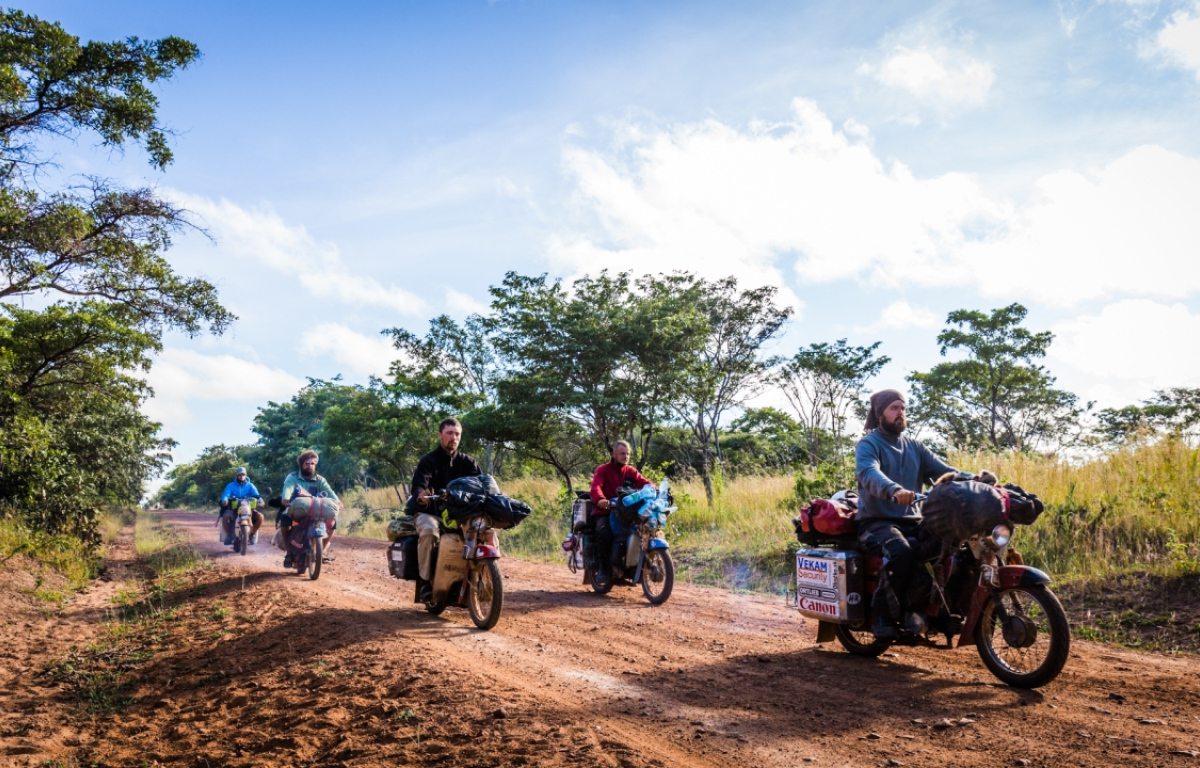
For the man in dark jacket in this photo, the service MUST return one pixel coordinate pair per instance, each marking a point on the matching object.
(608, 478)
(434, 472)
(891, 469)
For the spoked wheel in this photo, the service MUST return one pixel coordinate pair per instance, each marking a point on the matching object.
(859, 640)
(316, 553)
(1029, 646)
(485, 594)
(243, 540)
(658, 576)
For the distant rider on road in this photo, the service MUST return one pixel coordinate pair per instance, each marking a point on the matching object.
(606, 481)
(891, 469)
(239, 488)
(434, 472)
(308, 481)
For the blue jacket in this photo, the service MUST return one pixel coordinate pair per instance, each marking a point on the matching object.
(884, 465)
(236, 490)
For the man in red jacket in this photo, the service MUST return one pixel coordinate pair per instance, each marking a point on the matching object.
(609, 477)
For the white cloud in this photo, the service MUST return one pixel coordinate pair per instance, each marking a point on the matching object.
(900, 315)
(716, 200)
(264, 236)
(1131, 347)
(1128, 228)
(462, 305)
(369, 355)
(181, 375)
(935, 76)
(1179, 40)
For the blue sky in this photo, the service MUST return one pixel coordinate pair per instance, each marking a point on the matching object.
(372, 165)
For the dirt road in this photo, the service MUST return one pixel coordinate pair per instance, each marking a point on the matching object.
(570, 678)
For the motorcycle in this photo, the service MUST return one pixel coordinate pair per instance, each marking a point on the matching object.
(978, 592)
(305, 541)
(465, 568)
(643, 556)
(243, 524)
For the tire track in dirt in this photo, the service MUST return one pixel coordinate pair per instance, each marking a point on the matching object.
(716, 678)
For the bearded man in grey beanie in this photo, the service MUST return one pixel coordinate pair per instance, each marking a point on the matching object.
(891, 469)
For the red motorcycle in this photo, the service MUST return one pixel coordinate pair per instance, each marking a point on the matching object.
(979, 593)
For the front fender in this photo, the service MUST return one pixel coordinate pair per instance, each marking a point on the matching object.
(657, 543)
(1021, 576)
(486, 552)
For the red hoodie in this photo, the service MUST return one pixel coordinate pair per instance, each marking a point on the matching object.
(610, 477)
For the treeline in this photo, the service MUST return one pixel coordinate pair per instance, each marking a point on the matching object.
(552, 376)
(85, 292)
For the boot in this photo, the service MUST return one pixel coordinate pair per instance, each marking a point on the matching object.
(425, 591)
(883, 629)
(288, 560)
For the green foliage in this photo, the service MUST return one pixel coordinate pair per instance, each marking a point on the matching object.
(825, 385)
(287, 429)
(825, 480)
(998, 397)
(199, 483)
(72, 437)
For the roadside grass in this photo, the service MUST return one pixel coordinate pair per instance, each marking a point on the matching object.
(103, 673)
(71, 559)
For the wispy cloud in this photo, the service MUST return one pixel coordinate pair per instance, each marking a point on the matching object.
(369, 355)
(936, 76)
(262, 235)
(181, 376)
(900, 315)
(713, 199)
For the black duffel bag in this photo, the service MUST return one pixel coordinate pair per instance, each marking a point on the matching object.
(467, 497)
(958, 510)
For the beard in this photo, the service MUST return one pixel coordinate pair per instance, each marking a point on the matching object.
(307, 474)
(894, 428)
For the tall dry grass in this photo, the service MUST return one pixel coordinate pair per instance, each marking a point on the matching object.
(1135, 509)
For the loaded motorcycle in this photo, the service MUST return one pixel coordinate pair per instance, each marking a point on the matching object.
(465, 568)
(978, 592)
(243, 523)
(305, 542)
(642, 552)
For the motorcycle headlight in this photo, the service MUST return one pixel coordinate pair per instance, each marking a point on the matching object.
(1001, 535)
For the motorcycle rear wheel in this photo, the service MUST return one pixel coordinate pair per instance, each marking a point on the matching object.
(1037, 642)
(485, 594)
(658, 576)
(243, 542)
(860, 641)
(316, 553)
(601, 589)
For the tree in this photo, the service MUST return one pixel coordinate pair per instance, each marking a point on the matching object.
(286, 429)
(1174, 411)
(91, 240)
(603, 357)
(72, 437)
(728, 367)
(200, 483)
(823, 383)
(998, 397)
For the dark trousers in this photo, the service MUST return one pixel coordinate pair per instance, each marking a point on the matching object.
(895, 542)
(604, 543)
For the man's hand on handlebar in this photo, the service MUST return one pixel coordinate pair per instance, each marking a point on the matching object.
(904, 498)
(604, 504)
(424, 498)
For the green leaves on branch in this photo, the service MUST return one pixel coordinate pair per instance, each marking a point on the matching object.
(999, 397)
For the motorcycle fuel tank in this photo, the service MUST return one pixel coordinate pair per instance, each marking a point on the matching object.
(829, 585)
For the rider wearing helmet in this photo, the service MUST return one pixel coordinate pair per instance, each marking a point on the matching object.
(608, 478)
(891, 469)
(305, 480)
(434, 472)
(239, 488)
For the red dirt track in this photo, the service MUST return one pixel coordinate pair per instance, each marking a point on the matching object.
(711, 678)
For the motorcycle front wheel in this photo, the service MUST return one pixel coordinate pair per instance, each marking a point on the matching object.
(485, 595)
(243, 542)
(658, 576)
(1030, 647)
(316, 553)
(860, 641)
